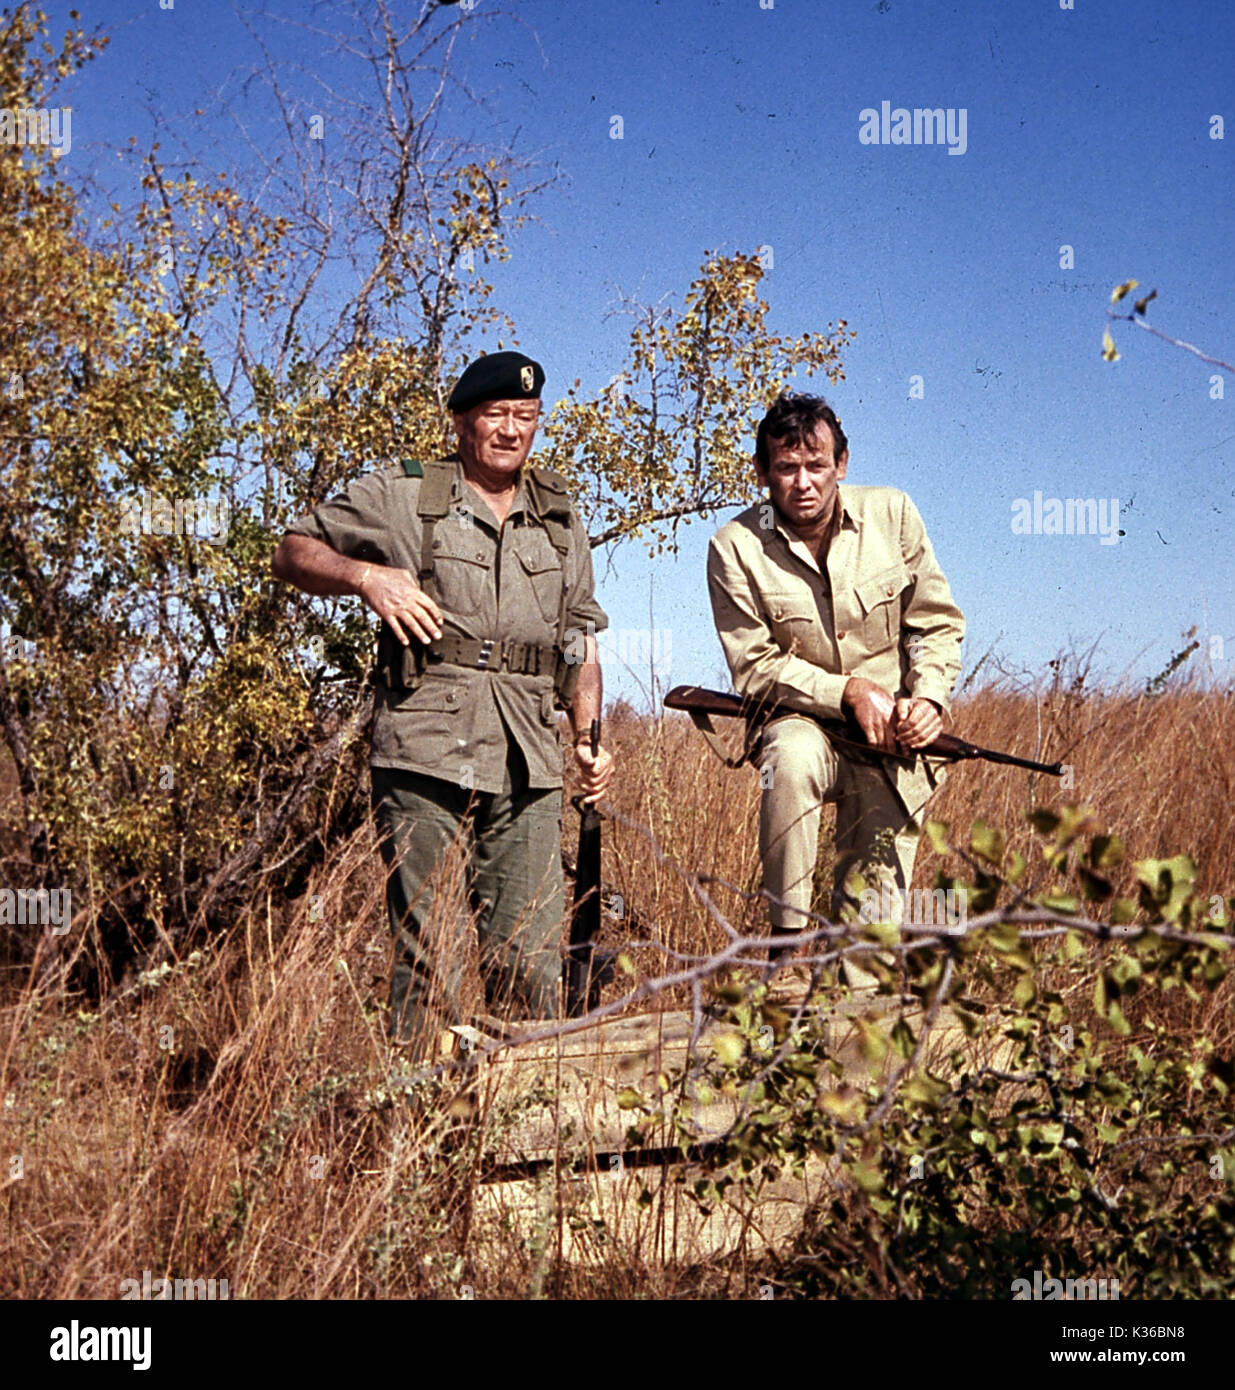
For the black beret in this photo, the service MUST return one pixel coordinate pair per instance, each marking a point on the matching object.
(501, 376)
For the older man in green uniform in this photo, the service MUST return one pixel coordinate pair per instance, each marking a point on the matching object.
(828, 600)
(481, 573)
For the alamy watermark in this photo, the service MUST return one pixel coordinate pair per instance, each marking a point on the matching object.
(38, 126)
(634, 648)
(78, 1343)
(1070, 516)
(37, 907)
(148, 1287)
(919, 907)
(1044, 1288)
(151, 514)
(921, 126)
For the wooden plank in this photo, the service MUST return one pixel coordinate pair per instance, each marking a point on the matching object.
(542, 1099)
(645, 1215)
(553, 1108)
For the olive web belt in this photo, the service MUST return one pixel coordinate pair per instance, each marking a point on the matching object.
(490, 654)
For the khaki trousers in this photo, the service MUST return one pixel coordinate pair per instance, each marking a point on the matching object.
(801, 770)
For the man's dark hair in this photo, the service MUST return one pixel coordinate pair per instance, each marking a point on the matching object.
(793, 419)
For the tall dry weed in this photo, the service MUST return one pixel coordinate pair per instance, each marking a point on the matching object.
(239, 1115)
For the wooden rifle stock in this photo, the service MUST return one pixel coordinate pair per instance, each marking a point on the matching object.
(697, 701)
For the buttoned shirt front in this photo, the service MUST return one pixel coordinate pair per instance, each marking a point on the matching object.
(494, 580)
(881, 609)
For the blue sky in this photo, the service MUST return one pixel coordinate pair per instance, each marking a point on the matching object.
(1087, 127)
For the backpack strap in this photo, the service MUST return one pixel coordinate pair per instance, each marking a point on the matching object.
(431, 506)
(400, 667)
(551, 503)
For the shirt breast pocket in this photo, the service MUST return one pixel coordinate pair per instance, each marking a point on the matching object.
(542, 570)
(462, 565)
(794, 619)
(879, 603)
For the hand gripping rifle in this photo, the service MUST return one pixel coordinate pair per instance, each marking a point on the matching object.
(700, 704)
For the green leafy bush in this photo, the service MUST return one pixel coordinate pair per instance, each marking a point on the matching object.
(1032, 1089)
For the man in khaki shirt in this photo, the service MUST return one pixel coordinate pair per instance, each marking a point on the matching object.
(481, 572)
(828, 601)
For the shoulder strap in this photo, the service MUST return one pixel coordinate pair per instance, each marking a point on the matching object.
(400, 667)
(437, 478)
(551, 503)
(431, 506)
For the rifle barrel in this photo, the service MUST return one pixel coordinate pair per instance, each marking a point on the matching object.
(719, 702)
(991, 756)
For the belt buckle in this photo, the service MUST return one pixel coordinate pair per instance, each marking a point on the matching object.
(486, 651)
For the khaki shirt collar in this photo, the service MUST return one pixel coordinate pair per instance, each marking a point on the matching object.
(843, 519)
(464, 498)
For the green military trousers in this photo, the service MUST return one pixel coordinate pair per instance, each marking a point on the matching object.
(512, 848)
(801, 769)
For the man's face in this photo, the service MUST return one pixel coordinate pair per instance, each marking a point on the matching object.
(802, 478)
(497, 436)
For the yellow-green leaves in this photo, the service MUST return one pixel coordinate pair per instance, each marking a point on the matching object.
(987, 843)
(937, 834)
(729, 1048)
(1066, 825)
(1120, 290)
(926, 1089)
(1024, 992)
(872, 1041)
(885, 933)
(664, 439)
(1106, 1003)
(1060, 902)
(844, 1105)
(868, 1176)
(1166, 885)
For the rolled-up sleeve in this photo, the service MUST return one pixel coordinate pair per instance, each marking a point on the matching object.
(760, 668)
(581, 605)
(933, 624)
(356, 522)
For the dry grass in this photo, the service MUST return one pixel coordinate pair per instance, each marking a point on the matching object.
(257, 1140)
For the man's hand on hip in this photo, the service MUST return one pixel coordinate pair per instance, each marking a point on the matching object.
(397, 599)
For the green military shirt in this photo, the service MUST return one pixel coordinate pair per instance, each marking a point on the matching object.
(500, 582)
